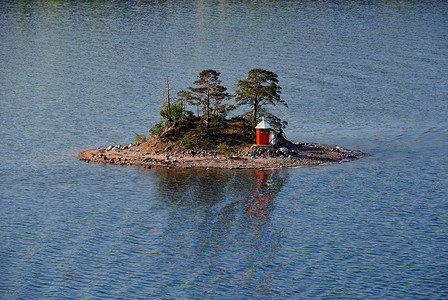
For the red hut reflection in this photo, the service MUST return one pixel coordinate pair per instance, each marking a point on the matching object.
(258, 205)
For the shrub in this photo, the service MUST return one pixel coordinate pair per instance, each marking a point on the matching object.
(139, 138)
(176, 111)
(157, 129)
(186, 141)
(224, 149)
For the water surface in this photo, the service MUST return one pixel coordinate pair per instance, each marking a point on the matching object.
(368, 75)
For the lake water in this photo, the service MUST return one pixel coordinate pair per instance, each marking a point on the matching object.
(367, 75)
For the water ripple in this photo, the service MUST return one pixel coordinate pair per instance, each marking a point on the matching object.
(366, 75)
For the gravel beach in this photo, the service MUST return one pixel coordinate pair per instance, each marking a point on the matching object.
(254, 157)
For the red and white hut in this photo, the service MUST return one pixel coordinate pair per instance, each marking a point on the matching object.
(263, 132)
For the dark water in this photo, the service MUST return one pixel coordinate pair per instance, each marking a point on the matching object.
(368, 75)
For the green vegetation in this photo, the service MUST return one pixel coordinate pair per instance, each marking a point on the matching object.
(224, 149)
(157, 129)
(192, 133)
(208, 127)
(207, 96)
(139, 138)
(172, 112)
(260, 88)
(186, 141)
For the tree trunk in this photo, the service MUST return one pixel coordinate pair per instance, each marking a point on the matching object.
(254, 115)
(207, 108)
(169, 104)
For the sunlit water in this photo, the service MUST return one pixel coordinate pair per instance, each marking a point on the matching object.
(367, 75)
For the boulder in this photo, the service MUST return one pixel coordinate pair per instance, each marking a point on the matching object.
(284, 150)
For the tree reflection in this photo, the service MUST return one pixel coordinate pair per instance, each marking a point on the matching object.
(255, 189)
(216, 227)
(187, 187)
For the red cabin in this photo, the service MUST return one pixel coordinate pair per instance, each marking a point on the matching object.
(263, 133)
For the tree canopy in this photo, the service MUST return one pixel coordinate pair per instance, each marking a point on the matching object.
(210, 127)
(208, 93)
(259, 89)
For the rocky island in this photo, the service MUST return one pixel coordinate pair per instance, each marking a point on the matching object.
(209, 139)
(254, 157)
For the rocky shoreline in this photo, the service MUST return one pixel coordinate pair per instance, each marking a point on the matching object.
(254, 157)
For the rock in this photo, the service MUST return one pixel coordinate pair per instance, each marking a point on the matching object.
(284, 150)
(109, 148)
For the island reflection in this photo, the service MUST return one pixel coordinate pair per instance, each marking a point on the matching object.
(217, 216)
(220, 190)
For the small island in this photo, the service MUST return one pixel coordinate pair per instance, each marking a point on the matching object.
(208, 139)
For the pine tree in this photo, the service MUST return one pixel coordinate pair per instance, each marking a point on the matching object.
(185, 97)
(260, 88)
(209, 93)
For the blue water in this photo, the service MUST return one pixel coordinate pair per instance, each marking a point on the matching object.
(367, 75)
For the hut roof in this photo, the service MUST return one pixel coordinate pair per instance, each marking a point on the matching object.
(263, 125)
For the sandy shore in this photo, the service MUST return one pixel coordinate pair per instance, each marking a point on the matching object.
(255, 157)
